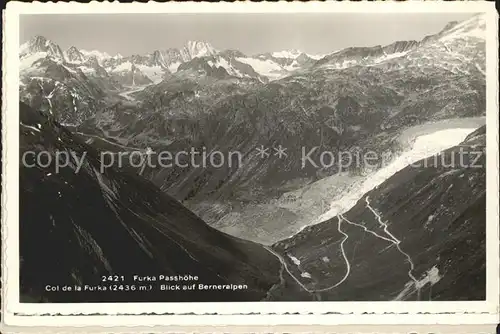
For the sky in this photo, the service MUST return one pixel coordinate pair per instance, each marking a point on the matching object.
(314, 33)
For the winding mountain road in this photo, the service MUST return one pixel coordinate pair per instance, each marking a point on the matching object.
(302, 285)
(390, 238)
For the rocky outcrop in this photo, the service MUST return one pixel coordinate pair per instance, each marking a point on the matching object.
(40, 44)
(73, 55)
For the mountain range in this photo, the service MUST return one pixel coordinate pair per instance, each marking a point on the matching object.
(199, 97)
(153, 67)
(84, 77)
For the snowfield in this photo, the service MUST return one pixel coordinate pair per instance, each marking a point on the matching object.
(155, 73)
(27, 61)
(266, 68)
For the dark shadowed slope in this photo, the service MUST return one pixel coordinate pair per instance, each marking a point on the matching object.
(420, 235)
(75, 227)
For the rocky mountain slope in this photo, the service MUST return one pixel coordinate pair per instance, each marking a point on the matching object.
(77, 224)
(420, 235)
(67, 93)
(457, 47)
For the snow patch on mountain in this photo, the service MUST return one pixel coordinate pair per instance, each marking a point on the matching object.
(293, 66)
(24, 48)
(389, 57)
(27, 61)
(195, 49)
(86, 69)
(155, 73)
(125, 66)
(41, 44)
(292, 54)
(174, 66)
(266, 67)
(98, 54)
(222, 62)
(343, 65)
(316, 57)
(477, 33)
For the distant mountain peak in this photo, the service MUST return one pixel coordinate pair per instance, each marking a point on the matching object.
(38, 39)
(272, 65)
(40, 43)
(293, 53)
(474, 27)
(157, 59)
(73, 55)
(192, 43)
(96, 53)
(195, 49)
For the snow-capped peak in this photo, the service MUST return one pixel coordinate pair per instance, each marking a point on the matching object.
(294, 54)
(98, 54)
(473, 27)
(73, 55)
(195, 49)
(40, 44)
(316, 56)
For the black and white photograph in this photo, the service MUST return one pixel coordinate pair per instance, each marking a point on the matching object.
(252, 157)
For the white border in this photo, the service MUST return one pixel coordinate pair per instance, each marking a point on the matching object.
(313, 313)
